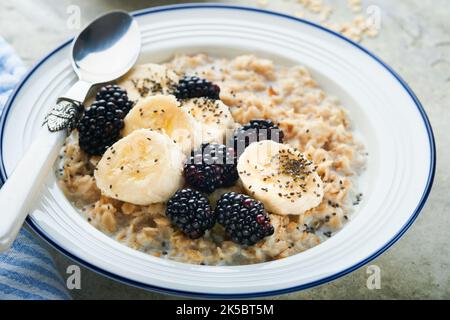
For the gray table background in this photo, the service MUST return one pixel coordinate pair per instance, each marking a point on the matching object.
(414, 40)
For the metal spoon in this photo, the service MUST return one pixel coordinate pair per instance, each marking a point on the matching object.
(104, 51)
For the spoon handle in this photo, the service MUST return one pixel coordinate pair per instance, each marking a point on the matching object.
(20, 190)
(22, 187)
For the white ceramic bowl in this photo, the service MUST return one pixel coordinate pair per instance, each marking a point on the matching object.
(385, 113)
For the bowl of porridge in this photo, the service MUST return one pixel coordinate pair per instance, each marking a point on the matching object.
(291, 150)
(235, 159)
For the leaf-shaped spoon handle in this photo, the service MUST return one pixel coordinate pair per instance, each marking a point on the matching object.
(22, 187)
(20, 190)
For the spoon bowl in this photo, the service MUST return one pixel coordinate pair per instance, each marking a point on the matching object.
(107, 48)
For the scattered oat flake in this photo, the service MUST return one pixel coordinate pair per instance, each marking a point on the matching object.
(355, 5)
(262, 3)
(357, 29)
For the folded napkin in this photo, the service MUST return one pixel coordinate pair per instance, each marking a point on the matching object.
(27, 271)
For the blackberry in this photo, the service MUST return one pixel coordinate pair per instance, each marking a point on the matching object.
(210, 167)
(230, 174)
(99, 127)
(191, 212)
(117, 95)
(195, 87)
(256, 130)
(244, 218)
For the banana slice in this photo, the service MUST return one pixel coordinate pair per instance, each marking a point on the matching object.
(143, 168)
(163, 114)
(281, 177)
(148, 79)
(213, 115)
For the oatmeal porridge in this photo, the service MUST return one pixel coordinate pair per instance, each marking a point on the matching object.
(140, 182)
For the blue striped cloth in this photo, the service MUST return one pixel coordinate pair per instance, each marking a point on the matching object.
(26, 271)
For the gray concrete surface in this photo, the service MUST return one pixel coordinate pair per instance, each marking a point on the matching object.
(414, 40)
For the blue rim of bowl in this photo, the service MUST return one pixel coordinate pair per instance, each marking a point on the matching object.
(37, 229)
